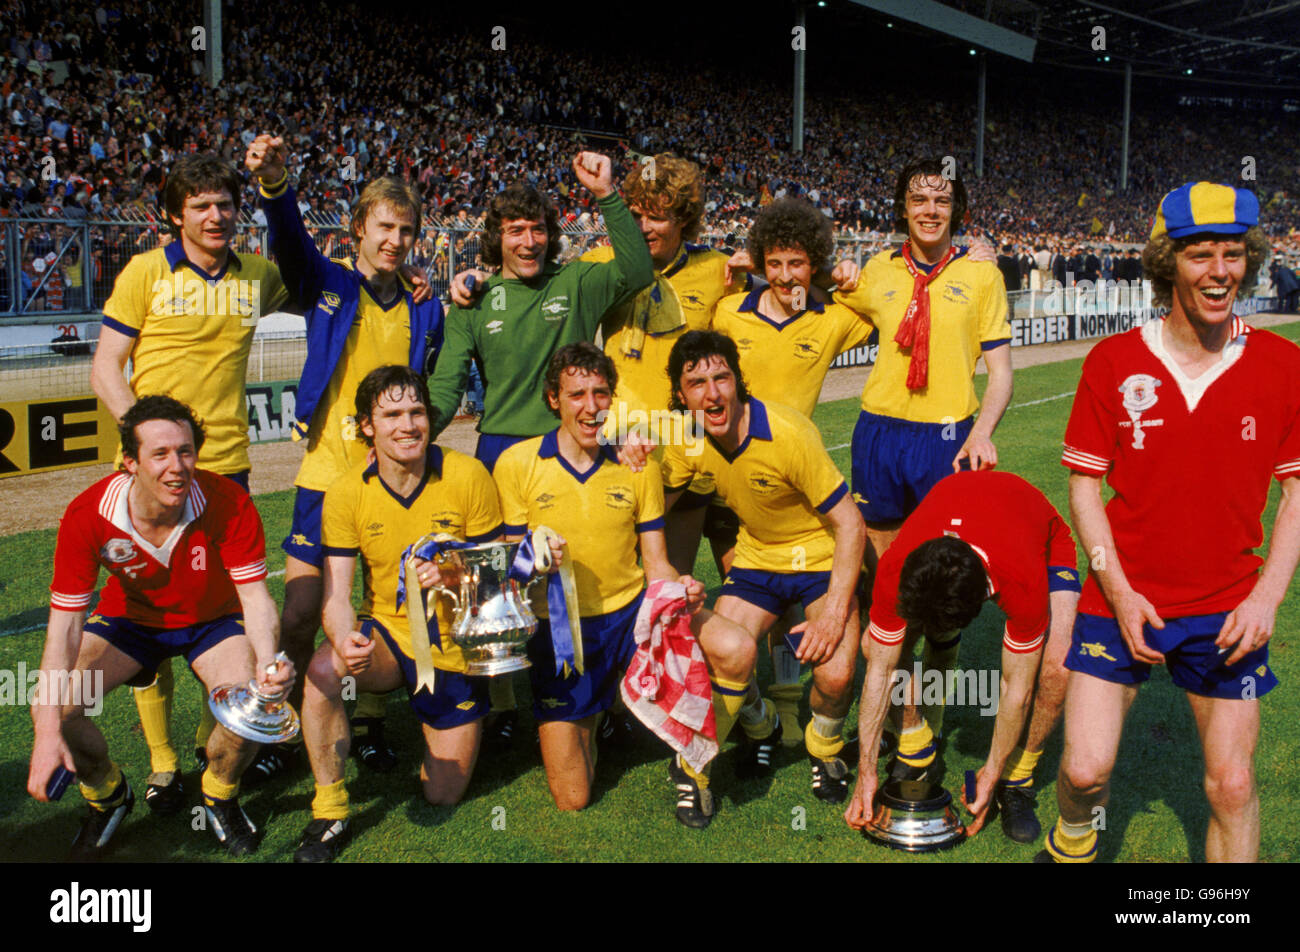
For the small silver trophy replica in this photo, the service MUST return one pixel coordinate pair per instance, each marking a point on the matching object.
(491, 618)
(253, 714)
(915, 816)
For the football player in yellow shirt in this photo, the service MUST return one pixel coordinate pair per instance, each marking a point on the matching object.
(570, 481)
(788, 334)
(801, 542)
(184, 315)
(938, 312)
(372, 513)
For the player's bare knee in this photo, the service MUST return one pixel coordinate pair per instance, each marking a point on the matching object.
(323, 674)
(442, 792)
(572, 799)
(1230, 789)
(1085, 777)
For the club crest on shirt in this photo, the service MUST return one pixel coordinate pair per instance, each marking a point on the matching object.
(1139, 395)
(118, 550)
(619, 497)
(554, 308)
(807, 348)
(763, 484)
(444, 522)
(957, 292)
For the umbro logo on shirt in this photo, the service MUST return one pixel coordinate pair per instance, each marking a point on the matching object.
(494, 327)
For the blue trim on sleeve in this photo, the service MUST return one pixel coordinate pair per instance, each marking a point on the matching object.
(994, 344)
(489, 536)
(121, 328)
(650, 526)
(339, 550)
(514, 530)
(831, 500)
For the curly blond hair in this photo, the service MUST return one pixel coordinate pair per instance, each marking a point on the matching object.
(1159, 266)
(671, 186)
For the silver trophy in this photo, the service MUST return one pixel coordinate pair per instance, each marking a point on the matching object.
(915, 816)
(253, 714)
(491, 617)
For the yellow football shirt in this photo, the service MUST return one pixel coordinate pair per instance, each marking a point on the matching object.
(379, 336)
(193, 332)
(363, 517)
(690, 287)
(787, 363)
(780, 483)
(968, 313)
(599, 514)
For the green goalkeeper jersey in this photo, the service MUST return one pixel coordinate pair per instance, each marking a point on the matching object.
(515, 326)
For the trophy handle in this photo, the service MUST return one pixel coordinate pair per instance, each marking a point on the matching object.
(431, 604)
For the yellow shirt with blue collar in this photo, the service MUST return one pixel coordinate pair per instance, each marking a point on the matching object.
(364, 517)
(380, 335)
(598, 512)
(780, 482)
(193, 332)
(787, 362)
(968, 315)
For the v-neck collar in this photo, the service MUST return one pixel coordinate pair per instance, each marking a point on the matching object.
(551, 448)
(432, 467)
(759, 429)
(1193, 389)
(750, 306)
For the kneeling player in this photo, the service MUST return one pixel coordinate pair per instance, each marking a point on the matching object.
(187, 564)
(374, 511)
(977, 535)
(571, 482)
(800, 542)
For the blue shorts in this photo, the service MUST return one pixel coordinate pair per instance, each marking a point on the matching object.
(775, 591)
(150, 647)
(240, 477)
(456, 699)
(303, 541)
(1194, 662)
(896, 462)
(492, 445)
(608, 643)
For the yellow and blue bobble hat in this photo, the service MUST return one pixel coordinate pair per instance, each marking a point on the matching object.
(1205, 207)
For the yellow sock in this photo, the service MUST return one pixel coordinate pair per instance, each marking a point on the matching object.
(728, 698)
(206, 724)
(154, 703)
(824, 736)
(214, 789)
(916, 746)
(1019, 771)
(330, 802)
(757, 717)
(701, 779)
(785, 698)
(942, 659)
(1072, 842)
(369, 705)
(106, 795)
(502, 692)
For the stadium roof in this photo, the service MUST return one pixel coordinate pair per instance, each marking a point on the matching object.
(1221, 42)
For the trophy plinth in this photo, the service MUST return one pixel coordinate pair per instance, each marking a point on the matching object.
(915, 816)
(248, 712)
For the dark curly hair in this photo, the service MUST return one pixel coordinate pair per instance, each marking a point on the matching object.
(792, 223)
(929, 168)
(582, 355)
(515, 202)
(384, 380)
(941, 587)
(695, 347)
(156, 407)
(193, 175)
(1159, 254)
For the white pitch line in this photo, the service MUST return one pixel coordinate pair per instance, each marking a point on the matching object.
(1014, 406)
(23, 631)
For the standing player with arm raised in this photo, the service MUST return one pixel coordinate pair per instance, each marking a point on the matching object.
(360, 315)
(1186, 418)
(184, 316)
(372, 514)
(525, 314)
(801, 542)
(187, 564)
(938, 312)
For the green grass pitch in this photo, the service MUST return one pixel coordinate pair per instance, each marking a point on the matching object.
(1157, 812)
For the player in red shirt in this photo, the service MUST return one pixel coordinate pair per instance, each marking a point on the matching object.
(976, 536)
(186, 560)
(1185, 418)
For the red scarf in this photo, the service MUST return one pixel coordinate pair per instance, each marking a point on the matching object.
(914, 332)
